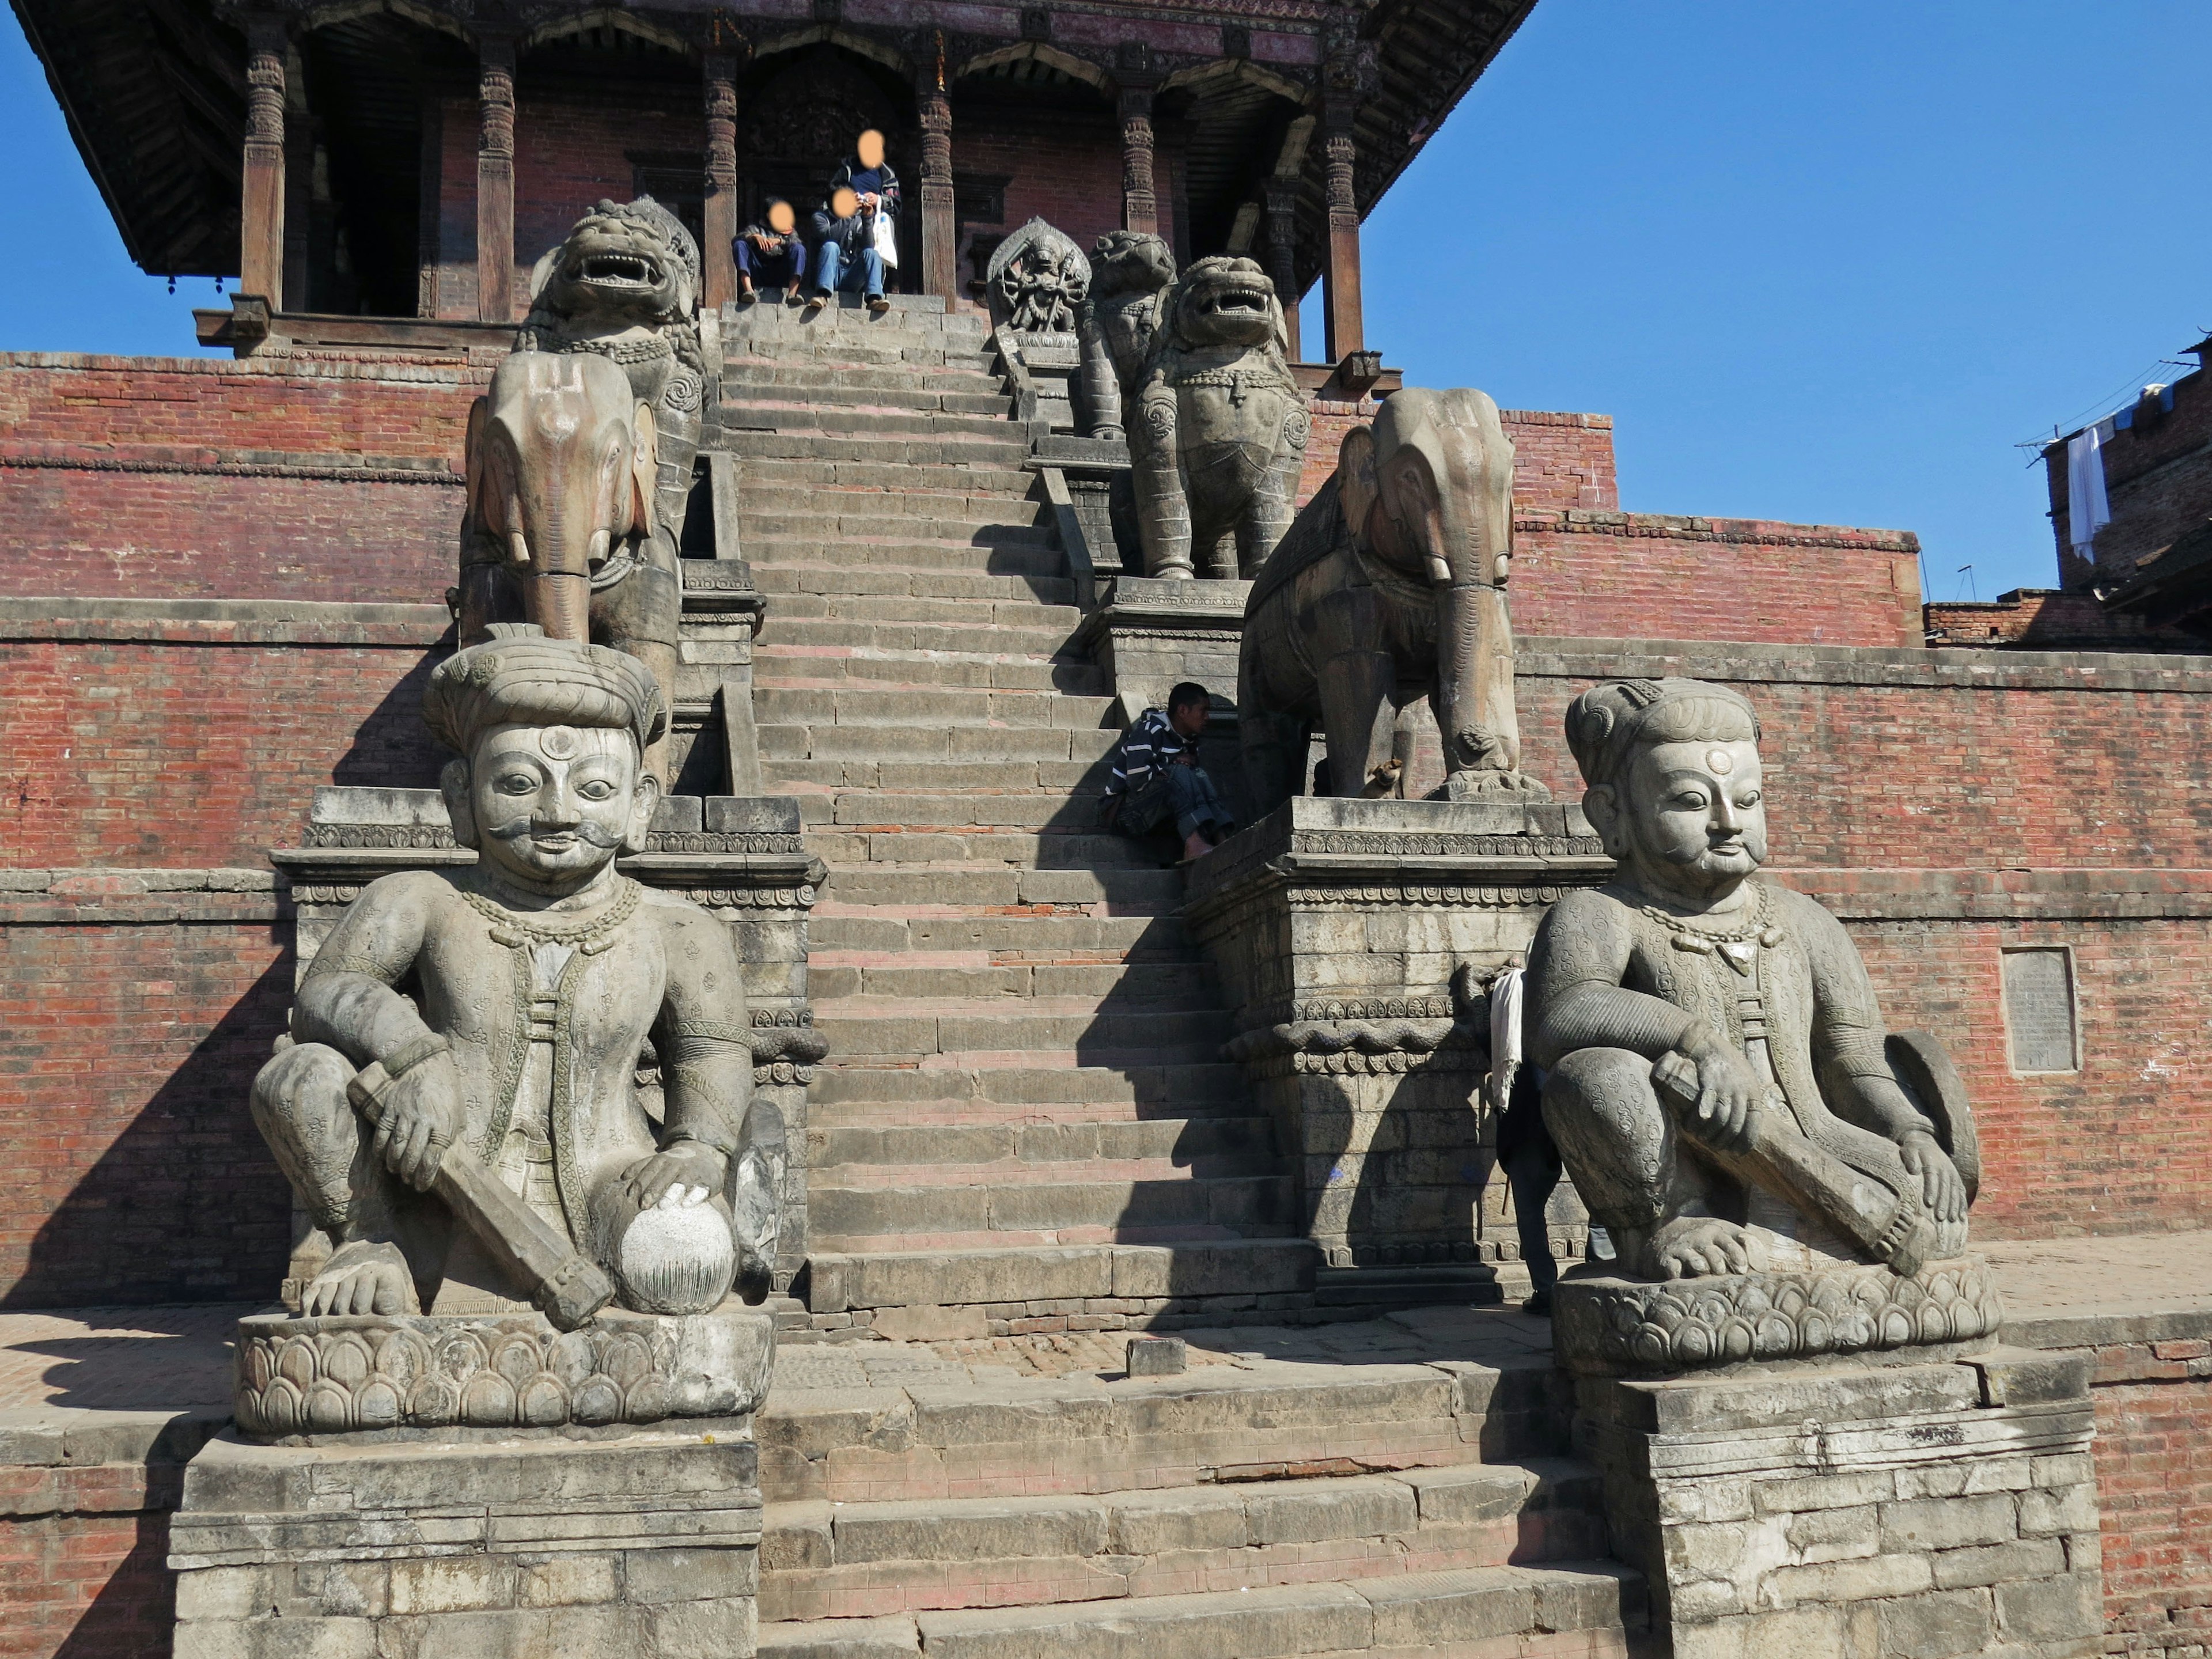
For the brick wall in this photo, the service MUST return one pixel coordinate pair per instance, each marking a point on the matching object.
(1072, 179)
(2158, 483)
(86, 1586)
(2154, 1455)
(198, 743)
(2047, 619)
(264, 479)
(131, 1043)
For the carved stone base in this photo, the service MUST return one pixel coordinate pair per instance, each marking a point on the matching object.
(646, 1547)
(462, 1376)
(1607, 1326)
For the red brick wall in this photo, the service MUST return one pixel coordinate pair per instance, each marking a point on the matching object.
(161, 478)
(135, 1174)
(2158, 483)
(86, 1586)
(2124, 1145)
(2046, 619)
(2154, 1456)
(187, 750)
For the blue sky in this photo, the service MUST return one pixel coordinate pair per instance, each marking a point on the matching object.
(1820, 262)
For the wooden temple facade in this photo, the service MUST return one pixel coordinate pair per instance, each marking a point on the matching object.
(411, 159)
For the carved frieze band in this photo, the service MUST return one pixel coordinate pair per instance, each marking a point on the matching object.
(659, 841)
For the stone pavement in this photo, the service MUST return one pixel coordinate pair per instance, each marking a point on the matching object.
(150, 1358)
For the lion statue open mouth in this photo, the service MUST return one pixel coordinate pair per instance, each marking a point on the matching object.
(631, 262)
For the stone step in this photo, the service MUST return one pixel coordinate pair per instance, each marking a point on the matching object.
(1062, 780)
(1252, 1418)
(975, 613)
(766, 472)
(1006, 1097)
(892, 810)
(922, 1027)
(833, 975)
(1034, 1210)
(886, 929)
(1129, 892)
(829, 741)
(961, 636)
(1151, 1090)
(995, 450)
(829, 704)
(911, 385)
(888, 578)
(1012, 550)
(993, 497)
(776, 665)
(869, 1561)
(915, 350)
(1592, 1610)
(1101, 1283)
(770, 412)
(1204, 1145)
(1054, 850)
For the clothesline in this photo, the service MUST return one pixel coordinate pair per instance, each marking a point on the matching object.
(2126, 393)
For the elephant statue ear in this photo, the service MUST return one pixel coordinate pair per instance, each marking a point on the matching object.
(644, 470)
(1357, 490)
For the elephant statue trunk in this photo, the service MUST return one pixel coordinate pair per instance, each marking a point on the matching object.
(1391, 584)
(562, 525)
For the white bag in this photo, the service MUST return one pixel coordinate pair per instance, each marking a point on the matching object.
(886, 235)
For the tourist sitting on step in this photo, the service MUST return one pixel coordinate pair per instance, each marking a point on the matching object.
(769, 251)
(1157, 778)
(845, 256)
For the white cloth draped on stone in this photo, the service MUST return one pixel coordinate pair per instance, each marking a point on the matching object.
(1504, 1035)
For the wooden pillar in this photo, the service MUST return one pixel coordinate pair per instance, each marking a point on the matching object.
(495, 180)
(1140, 207)
(261, 202)
(720, 218)
(1340, 285)
(1282, 252)
(429, 204)
(940, 229)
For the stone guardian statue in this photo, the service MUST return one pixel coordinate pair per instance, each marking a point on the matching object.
(1218, 429)
(1718, 1079)
(460, 1105)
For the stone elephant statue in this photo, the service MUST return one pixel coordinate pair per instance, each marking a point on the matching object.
(1218, 430)
(1391, 584)
(560, 527)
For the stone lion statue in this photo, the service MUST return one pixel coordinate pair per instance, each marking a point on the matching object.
(1219, 433)
(624, 283)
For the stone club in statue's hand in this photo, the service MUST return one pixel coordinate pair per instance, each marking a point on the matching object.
(417, 1120)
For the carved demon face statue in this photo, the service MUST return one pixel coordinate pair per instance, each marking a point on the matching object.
(631, 262)
(1130, 261)
(1225, 302)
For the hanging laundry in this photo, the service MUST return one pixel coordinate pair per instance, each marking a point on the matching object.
(2086, 511)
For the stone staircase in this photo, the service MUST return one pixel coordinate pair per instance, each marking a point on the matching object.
(1024, 1140)
(1024, 1123)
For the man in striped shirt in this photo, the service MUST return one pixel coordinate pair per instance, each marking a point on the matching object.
(1156, 776)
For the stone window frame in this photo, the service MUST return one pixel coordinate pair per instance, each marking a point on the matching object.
(2065, 952)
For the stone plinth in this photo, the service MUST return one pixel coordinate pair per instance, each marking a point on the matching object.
(1148, 634)
(1839, 1508)
(1352, 935)
(645, 1546)
(1602, 1324)
(741, 857)
(453, 1377)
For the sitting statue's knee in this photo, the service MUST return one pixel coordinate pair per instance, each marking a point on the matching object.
(1608, 1082)
(300, 1105)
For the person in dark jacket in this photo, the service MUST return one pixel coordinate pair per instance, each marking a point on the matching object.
(852, 231)
(845, 256)
(1157, 778)
(771, 254)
